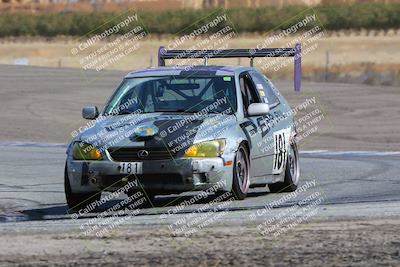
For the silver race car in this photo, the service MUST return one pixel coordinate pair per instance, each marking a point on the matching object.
(175, 129)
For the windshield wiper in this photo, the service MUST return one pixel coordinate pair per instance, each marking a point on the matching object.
(122, 112)
(125, 111)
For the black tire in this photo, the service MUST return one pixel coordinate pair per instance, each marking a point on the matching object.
(292, 173)
(75, 201)
(241, 173)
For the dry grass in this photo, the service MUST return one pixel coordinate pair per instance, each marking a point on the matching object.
(349, 56)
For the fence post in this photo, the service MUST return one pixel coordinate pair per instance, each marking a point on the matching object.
(327, 66)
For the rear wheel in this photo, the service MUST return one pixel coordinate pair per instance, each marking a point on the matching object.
(78, 201)
(292, 173)
(241, 173)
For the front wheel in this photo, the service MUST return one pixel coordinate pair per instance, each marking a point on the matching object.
(241, 173)
(292, 173)
(78, 201)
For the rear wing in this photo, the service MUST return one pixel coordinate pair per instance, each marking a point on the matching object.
(295, 52)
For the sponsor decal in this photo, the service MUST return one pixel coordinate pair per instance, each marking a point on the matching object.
(147, 130)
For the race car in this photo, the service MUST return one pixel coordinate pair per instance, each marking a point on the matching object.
(186, 128)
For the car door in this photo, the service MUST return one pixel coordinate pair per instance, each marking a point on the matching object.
(275, 134)
(252, 126)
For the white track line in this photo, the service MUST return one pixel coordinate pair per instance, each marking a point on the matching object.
(31, 144)
(350, 153)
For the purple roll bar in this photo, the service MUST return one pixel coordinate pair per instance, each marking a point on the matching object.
(297, 67)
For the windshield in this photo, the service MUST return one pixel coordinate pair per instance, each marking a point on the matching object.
(214, 94)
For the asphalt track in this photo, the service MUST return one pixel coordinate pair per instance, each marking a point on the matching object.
(44, 104)
(352, 183)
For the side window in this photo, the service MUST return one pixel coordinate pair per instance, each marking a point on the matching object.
(249, 93)
(264, 87)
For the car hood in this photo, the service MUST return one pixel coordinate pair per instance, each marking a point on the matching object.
(174, 132)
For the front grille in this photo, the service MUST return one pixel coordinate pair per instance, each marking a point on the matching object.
(125, 154)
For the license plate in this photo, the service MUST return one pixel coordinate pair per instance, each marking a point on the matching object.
(131, 167)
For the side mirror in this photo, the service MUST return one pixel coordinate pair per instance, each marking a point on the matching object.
(90, 113)
(258, 109)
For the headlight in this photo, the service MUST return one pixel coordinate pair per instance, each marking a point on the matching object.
(83, 151)
(206, 149)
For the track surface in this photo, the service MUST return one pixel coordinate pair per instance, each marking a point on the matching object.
(44, 105)
(31, 185)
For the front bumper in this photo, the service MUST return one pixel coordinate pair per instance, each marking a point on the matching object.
(169, 176)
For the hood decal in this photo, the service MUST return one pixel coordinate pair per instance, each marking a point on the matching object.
(174, 135)
(172, 132)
